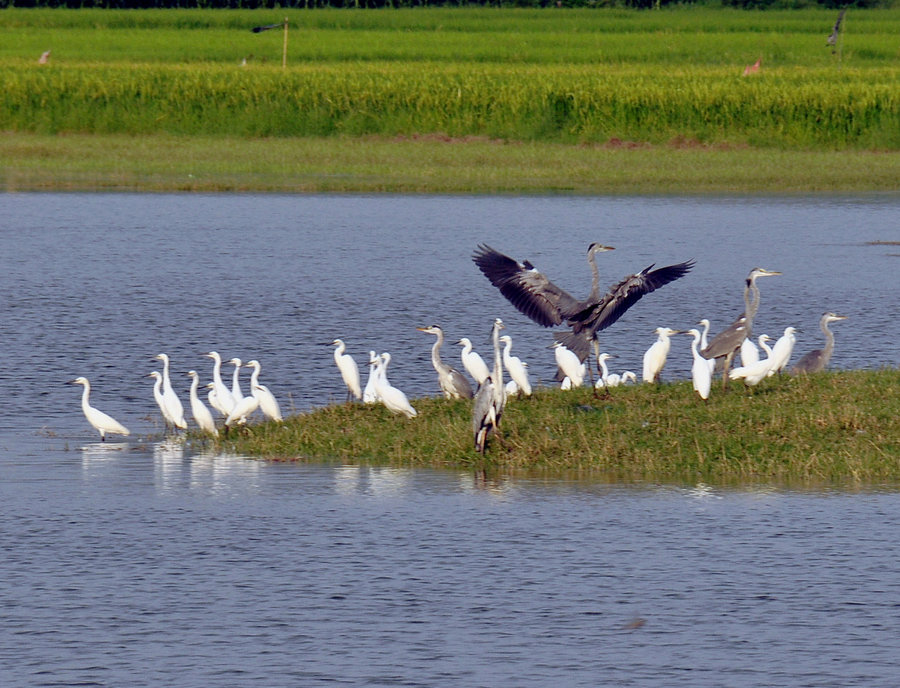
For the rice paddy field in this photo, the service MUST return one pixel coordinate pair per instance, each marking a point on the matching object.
(620, 78)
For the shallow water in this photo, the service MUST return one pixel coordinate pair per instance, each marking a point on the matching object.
(144, 562)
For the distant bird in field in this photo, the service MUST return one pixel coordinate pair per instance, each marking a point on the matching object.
(836, 31)
(752, 69)
(44, 58)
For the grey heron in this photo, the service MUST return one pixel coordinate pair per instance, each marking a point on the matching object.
(490, 400)
(701, 373)
(725, 344)
(473, 362)
(515, 367)
(202, 416)
(102, 422)
(394, 400)
(537, 297)
(655, 357)
(453, 384)
(817, 360)
(348, 369)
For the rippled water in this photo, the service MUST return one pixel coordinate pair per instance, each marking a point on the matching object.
(143, 562)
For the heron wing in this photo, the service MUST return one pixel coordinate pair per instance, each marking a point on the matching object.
(524, 286)
(624, 295)
(727, 340)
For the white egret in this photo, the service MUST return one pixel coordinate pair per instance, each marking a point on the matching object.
(490, 400)
(202, 417)
(816, 361)
(102, 422)
(348, 369)
(655, 356)
(782, 350)
(511, 388)
(453, 383)
(701, 374)
(704, 342)
(603, 380)
(268, 404)
(173, 403)
(541, 300)
(160, 399)
(754, 373)
(220, 397)
(237, 393)
(392, 398)
(725, 344)
(242, 411)
(749, 352)
(516, 368)
(473, 362)
(370, 396)
(570, 366)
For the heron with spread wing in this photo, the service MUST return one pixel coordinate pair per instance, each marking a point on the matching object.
(536, 296)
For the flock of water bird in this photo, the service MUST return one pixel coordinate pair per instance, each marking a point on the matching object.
(532, 293)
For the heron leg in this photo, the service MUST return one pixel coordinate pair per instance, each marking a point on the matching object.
(726, 368)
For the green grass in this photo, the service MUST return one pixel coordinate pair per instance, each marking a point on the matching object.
(825, 428)
(433, 164)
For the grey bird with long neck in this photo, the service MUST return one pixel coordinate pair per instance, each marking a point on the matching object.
(816, 361)
(536, 296)
(725, 344)
(453, 384)
(490, 400)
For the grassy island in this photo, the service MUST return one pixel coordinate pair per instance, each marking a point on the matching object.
(838, 426)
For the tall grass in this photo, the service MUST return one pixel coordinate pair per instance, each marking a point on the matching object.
(788, 108)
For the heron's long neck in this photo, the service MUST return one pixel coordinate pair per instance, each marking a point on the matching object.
(85, 397)
(595, 281)
(194, 382)
(829, 340)
(235, 381)
(217, 372)
(436, 350)
(498, 363)
(753, 304)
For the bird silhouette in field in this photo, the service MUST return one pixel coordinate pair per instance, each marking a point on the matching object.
(752, 69)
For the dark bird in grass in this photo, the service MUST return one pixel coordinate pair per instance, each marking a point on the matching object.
(541, 300)
(836, 31)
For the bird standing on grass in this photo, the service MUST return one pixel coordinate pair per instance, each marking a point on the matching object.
(348, 368)
(102, 422)
(202, 417)
(453, 384)
(393, 399)
(816, 361)
(490, 400)
(655, 357)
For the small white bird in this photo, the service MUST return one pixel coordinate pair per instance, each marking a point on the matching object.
(704, 342)
(242, 411)
(755, 373)
(348, 368)
(516, 368)
(237, 394)
(655, 356)
(102, 422)
(220, 397)
(268, 404)
(160, 399)
(782, 350)
(473, 362)
(392, 398)
(701, 374)
(749, 352)
(370, 396)
(571, 367)
(202, 417)
(44, 58)
(171, 400)
(604, 379)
